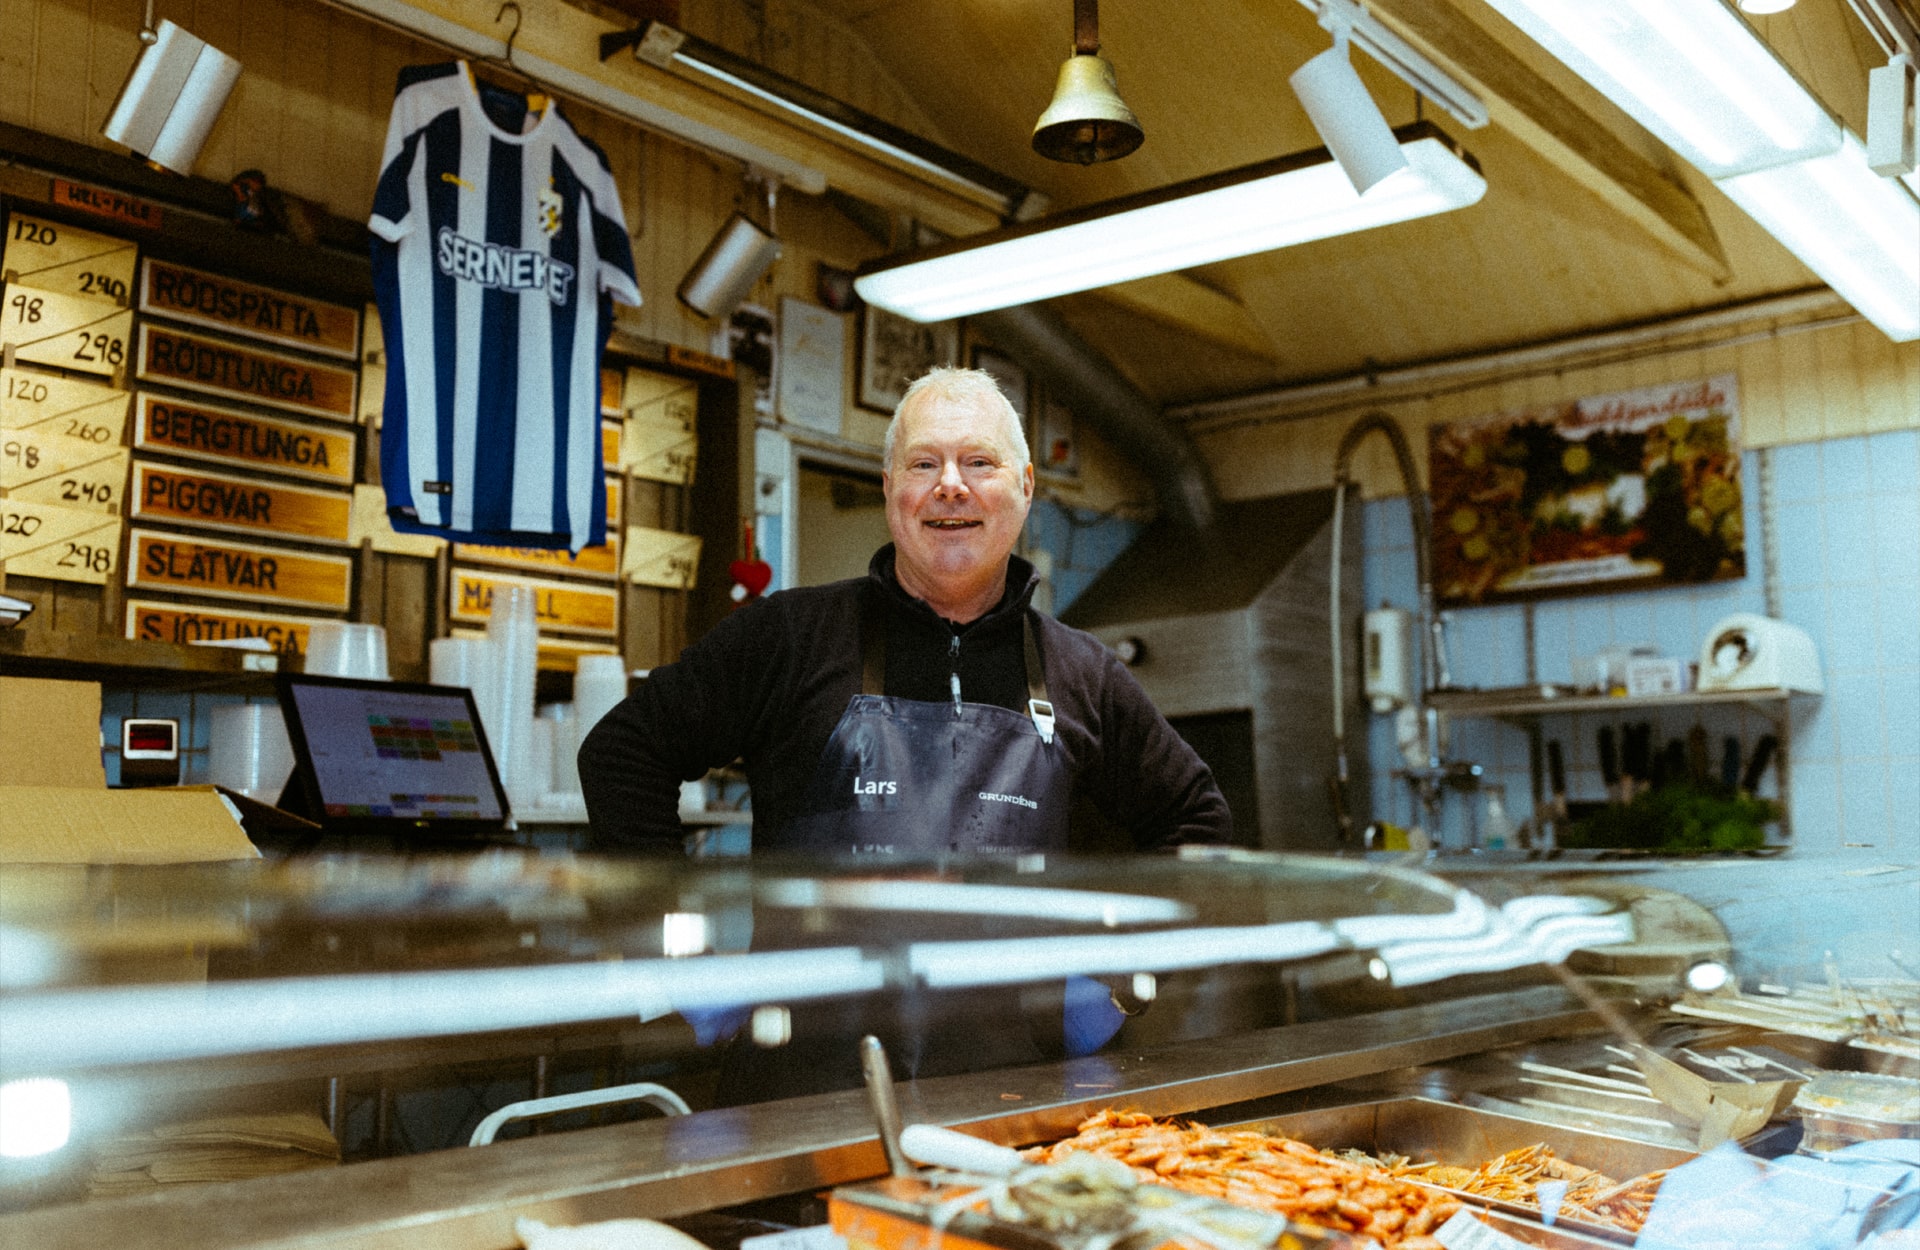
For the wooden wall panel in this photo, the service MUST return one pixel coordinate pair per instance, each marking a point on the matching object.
(1794, 388)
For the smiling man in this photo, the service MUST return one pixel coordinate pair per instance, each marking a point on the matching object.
(924, 709)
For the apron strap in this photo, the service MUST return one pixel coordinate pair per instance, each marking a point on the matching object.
(873, 661)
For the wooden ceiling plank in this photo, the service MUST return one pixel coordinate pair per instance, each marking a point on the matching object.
(1178, 300)
(1562, 133)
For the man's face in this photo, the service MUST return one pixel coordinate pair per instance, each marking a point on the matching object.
(955, 500)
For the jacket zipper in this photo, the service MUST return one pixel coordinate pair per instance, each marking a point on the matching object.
(953, 680)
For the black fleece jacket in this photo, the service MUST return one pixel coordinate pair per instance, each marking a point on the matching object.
(769, 683)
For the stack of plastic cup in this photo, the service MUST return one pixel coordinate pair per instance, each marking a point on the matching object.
(249, 751)
(514, 633)
(539, 781)
(347, 649)
(598, 684)
(566, 746)
(467, 662)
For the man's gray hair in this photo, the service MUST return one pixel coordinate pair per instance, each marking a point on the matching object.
(962, 386)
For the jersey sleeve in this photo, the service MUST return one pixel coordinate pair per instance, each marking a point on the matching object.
(393, 217)
(610, 241)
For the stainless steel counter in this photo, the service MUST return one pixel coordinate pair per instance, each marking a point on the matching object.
(468, 1200)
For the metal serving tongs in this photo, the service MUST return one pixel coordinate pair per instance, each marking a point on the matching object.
(1723, 1112)
(925, 1143)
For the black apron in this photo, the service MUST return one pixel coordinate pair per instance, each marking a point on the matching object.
(917, 779)
(905, 777)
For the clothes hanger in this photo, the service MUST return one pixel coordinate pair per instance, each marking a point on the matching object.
(538, 100)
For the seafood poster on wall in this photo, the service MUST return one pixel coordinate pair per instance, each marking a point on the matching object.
(1638, 488)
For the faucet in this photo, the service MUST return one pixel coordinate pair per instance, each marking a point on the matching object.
(1432, 773)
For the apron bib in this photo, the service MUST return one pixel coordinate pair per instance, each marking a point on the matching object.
(913, 778)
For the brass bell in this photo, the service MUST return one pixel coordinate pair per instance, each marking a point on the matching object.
(1087, 121)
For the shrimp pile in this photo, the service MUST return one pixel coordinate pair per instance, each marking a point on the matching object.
(1513, 1176)
(1276, 1174)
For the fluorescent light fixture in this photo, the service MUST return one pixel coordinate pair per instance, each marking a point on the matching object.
(1763, 8)
(1690, 71)
(1860, 232)
(662, 46)
(1257, 208)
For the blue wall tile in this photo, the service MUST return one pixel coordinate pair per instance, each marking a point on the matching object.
(1850, 525)
(1800, 531)
(1852, 633)
(1854, 702)
(1896, 536)
(1894, 461)
(1844, 468)
(1863, 801)
(1815, 813)
(1796, 473)
(1900, 701)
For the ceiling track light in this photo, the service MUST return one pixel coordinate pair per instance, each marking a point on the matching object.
(1256, 208)
(1697, 76)
(172, 96)
(1345, 116)
(733, 262)
(1390, 50)
(1087, 122)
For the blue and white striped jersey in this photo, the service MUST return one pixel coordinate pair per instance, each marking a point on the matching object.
(496, 259)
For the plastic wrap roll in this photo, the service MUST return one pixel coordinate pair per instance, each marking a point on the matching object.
(514, 633)
(598, 684)
(248, 750)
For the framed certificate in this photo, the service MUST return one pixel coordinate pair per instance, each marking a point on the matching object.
(895, 351)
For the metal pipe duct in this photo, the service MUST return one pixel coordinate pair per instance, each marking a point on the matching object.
(1039, 339)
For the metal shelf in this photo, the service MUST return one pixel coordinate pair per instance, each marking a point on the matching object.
(1530, 701)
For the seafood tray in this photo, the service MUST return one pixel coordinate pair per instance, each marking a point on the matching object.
(1444, 1132)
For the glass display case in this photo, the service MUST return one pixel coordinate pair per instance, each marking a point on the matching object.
(1014, 997)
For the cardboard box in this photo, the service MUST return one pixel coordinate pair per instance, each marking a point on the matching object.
(55, 807)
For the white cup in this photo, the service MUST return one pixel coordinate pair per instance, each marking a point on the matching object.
(248, 750)
(347, 649)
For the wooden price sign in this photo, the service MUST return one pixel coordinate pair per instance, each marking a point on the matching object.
(205, 299)
(661, 558)
(252, 505)
(662, 415)
(235, 570)
(611, 385)
(51, 403)
(150, 620)
(187, 427)
(55, 469)
(559, 655)
(602, 561)
(373, 368)
(219, 367)
(53, 256)
(661, 449)
(575, 606)
(66, 331)
(60, 544)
